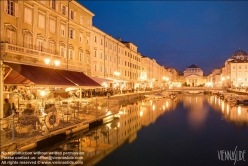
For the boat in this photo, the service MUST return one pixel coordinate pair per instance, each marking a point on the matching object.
(242, 100)
(194, 92)
(156, 96)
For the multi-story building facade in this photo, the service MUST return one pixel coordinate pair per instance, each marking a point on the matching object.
(152, 74)
(61, 34)
(235, 71)
(194, 76)
(32, 31)
(216, 78)
(115, 60)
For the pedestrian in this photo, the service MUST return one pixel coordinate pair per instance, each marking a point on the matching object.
(7, 108)
(14, 108)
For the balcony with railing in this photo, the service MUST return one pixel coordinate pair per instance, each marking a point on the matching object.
(30, 51)
(15, 53)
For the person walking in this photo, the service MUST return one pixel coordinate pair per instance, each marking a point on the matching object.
(6, 108)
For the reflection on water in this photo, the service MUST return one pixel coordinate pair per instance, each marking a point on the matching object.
(100, 142)
(235, 114)
(197, 110)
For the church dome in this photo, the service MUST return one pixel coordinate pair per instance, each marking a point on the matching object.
(238, 53)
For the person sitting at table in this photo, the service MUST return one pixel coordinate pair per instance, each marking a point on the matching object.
(29, 110)
(29, 114)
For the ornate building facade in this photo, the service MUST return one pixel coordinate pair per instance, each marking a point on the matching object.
(235, 71)
(194, 76)
(32, 31)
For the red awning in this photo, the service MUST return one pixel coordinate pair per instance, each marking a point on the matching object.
(16, 78)
(78, 78)
(47, 76)
(101, 80)
(40, 75)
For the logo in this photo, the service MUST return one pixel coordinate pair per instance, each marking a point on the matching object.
(229, 155)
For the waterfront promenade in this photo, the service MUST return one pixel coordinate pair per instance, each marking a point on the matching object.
(97, 110)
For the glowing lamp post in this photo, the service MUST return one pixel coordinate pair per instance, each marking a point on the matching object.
(51, 63)
(42, 94)
(117, 74)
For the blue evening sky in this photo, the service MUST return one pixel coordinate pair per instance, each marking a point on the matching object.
(177, 33)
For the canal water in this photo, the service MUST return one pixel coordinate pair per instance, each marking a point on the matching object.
(191, 130)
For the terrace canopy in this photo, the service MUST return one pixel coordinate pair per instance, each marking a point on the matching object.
(101, 80)
(26, 74)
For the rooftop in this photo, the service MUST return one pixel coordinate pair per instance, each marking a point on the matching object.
(238, 53)
(193, 66)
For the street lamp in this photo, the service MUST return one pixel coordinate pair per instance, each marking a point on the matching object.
(165, 79)
(104, 84)
(51, 63)
(117, 74)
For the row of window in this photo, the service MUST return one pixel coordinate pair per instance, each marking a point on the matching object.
(11, 8)
(239, 79)
(40, 46)
(193, 70)
(64, 11)
(239, 67)
(126, 73)
(41, 22)
(114, 48)
(52, 27)
(129, 64)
